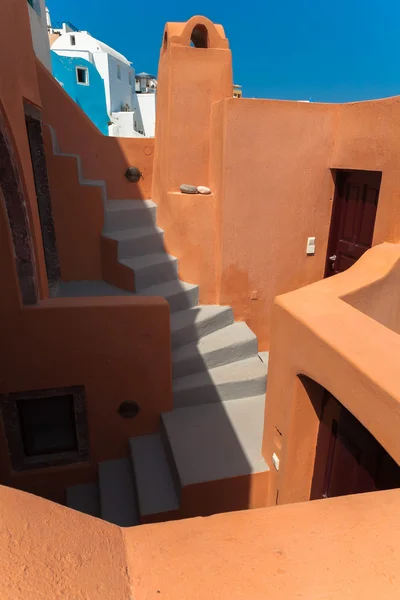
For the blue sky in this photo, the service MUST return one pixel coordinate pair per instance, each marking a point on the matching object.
(335, 51)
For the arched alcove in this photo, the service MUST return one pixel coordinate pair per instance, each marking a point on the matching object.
(333, 451)
(199, 37)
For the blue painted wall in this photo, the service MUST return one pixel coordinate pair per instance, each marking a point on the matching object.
(91, 98)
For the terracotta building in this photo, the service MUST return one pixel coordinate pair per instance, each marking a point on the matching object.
(140, 325)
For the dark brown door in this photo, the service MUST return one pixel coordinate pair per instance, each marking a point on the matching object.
(349, 460)
(353, 218)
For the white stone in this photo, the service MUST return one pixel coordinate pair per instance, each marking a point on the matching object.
(202, 189)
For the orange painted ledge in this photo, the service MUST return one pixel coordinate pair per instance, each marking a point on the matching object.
(347, 548)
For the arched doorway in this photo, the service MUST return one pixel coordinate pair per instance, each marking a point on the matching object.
(348, 459)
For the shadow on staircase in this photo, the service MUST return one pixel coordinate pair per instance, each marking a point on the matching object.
(206, 456)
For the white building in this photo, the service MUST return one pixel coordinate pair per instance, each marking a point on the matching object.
(117, 73)
(147, 106)
(40, 39)
(146, 88)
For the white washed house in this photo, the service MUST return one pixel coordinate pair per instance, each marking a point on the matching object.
(117, 73)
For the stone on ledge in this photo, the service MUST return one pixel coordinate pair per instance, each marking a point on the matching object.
(202, 189)
(188, 189)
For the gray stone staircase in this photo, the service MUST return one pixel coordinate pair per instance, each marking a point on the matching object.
(219, 380)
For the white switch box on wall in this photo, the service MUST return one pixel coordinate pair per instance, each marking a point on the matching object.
(310, 246)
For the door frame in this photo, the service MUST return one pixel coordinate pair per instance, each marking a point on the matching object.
(338, 176)
(13, 195)
(33, 121)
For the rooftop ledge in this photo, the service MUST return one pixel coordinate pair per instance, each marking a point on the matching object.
(312, 550)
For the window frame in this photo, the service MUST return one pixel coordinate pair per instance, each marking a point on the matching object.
(13, 430)
(119, 72)
(87, 75)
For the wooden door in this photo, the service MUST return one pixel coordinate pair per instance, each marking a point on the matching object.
(353, 218)
(349, 460)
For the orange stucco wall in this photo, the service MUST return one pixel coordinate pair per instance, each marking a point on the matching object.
(270, 165)
(343, 548)
(189, 81)
(78, 212)
(18, 82)
(49, 551)
(275, 191)
(318, 333)
(368, 138)
(105, 344)
(379, 298)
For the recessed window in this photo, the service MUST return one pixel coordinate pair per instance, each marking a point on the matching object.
(82, 75)
(130, 77)
(47, 425)
(118, 71)
(72, 40)
(46, 428)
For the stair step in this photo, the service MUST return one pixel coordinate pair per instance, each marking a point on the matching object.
(240, 379)
(124, 214)
(86, 289)
(154, 483)
(194, 323)
(152, 268)
(117, 493)
(215, 441)
(138, 241)
(179, 294)
(231, 344)
(85, 498)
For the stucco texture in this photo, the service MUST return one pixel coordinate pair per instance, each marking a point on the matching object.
(48, 551)
(18, 82)
(275, 191)
(328, 333)
(189, 81)
(78, 212)
(343, 548)
(105, 344)
(271, 167)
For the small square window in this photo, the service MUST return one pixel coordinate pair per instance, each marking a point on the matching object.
(46, 428)
(72, 40)
(82, 75)
(47, 425)
(118, 71)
